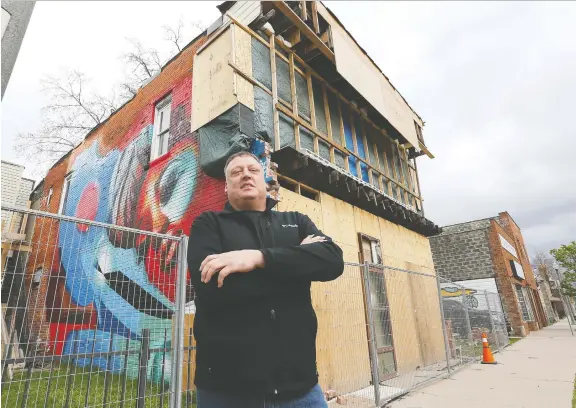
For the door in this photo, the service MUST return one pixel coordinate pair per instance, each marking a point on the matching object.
(380, 307)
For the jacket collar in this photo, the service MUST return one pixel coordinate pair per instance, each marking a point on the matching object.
(270, 203)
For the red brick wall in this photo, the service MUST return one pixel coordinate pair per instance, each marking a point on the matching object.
(505, 279)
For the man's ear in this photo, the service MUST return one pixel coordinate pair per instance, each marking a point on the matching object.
(226, 188)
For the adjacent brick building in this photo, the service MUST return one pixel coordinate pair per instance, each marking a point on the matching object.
(490, 254)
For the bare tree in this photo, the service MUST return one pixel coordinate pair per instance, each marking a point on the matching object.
(544, 264)
(175, 34)
(74, 109)
(142, 64)
(72, 112)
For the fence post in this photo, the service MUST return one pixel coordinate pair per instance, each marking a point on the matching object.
(178, 325)
(444, 330)
(372, 343)
(467, 316)
(143, 367)
(492, 320)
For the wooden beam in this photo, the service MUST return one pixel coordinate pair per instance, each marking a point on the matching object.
(294, 98)
(309, 33)
(249, 78)
(315, 17)
(274, 93)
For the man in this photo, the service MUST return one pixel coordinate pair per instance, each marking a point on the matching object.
(255, 326)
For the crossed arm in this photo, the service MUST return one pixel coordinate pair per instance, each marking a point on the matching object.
(317, 258)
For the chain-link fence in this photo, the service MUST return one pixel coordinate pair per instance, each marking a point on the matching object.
(98, 315)
(88, 312)
(467, 314)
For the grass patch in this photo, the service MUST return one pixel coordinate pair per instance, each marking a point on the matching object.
(514, 339)
(86, 390)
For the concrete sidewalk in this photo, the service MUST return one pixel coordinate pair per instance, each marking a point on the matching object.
(536, 372)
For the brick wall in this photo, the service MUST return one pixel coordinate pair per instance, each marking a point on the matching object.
(112, 180)
(506, 280)
(461, 252)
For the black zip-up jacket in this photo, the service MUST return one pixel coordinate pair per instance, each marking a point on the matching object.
(257, 334)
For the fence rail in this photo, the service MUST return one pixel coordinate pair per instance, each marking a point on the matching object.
(95, 314)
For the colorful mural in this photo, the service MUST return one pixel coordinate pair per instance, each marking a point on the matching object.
(109, 285)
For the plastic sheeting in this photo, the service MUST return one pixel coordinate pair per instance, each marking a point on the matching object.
(319, 106)
(263, 115)
(302, 96)
(283, 80)
(229, 133)
(286, 127)
(261, 69)
(306, 139)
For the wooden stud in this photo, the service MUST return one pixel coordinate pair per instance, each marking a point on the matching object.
(294, 99)
(274, 93)
(249, 78)
(312, 111)
(297, 21)
(304, 10)
(355, 142)
(328, 122)
(315, 17)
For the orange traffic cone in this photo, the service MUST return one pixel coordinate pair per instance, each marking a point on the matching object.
(487, 357)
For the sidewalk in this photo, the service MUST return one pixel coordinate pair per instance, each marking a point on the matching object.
(536, 372)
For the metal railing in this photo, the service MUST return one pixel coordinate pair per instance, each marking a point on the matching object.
(100, 315)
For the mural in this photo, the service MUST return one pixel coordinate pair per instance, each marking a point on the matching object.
(469, 297)
(107, 285)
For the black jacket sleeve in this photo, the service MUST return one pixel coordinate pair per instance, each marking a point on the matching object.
(204, 240)
(320, 261)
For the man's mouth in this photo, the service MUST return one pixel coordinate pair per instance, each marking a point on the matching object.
(246, 185)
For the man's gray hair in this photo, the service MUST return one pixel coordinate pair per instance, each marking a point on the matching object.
(239, 154)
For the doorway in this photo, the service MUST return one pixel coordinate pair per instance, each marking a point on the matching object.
(371, 253)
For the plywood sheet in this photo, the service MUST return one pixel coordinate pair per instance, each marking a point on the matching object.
(212, 81)
(292, 201)
(243, 60)
(355, 66)
(339, 221)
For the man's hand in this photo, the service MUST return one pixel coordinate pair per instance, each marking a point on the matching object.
(310, 239)
(230, 262)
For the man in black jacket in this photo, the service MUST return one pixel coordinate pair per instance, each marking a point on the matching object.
(255, 326)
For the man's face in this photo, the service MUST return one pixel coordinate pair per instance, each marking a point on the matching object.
(245, 180)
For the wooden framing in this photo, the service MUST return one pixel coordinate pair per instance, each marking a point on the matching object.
(299, 187)
(390, 175)
(297, 21)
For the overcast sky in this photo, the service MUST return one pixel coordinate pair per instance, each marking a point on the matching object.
(495, 83)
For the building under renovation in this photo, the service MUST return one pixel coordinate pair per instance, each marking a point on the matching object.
(338, 142)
